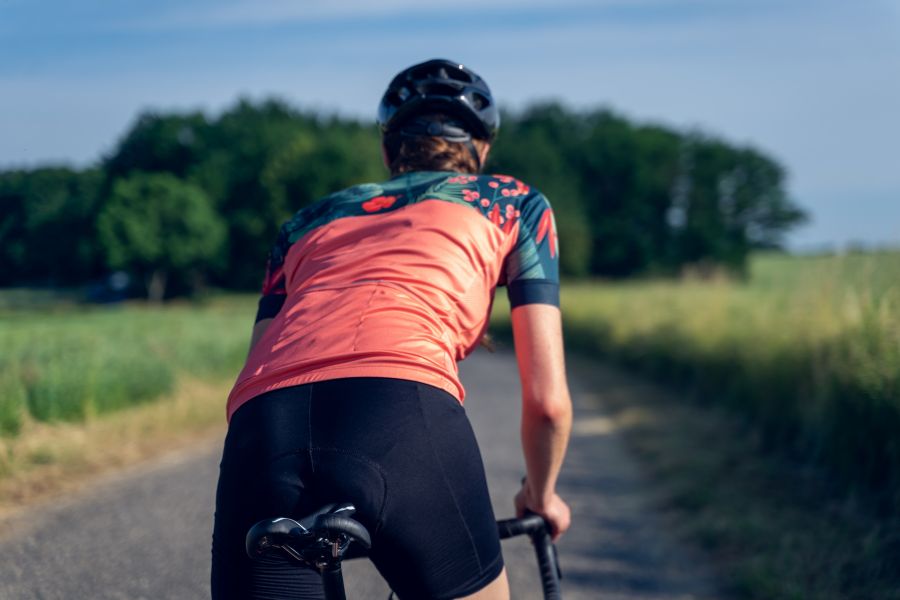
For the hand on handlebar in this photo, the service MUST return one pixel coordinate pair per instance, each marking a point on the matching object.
(555, 511)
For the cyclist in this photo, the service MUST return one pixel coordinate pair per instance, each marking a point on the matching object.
(350, 391)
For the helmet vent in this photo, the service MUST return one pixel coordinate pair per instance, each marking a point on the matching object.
(442, 89)
(479, 102)
(440, 86)
(459, 76)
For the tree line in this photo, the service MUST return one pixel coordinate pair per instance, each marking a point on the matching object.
(185, 199)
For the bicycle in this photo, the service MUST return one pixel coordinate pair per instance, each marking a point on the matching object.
(323, 539)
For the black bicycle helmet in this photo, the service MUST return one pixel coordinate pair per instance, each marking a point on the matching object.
(439, 86)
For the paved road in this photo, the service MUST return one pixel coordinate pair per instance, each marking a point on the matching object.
(145, 533)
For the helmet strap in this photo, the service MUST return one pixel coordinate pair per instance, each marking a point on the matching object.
(448, 130)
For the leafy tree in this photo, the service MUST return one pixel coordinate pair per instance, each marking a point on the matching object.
(268, 161)
(13, 245)
(159, 143)
(47, 226)
(645, 198)
(607, 162)
(629, 198)
(243, 142)
(537, 146)
(312, 166)
(159, 227)
(735, 202)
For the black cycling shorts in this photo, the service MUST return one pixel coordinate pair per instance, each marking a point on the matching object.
(403, 452)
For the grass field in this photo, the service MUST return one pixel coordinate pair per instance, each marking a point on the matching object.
(806, 355)
(70, 364)
(785, 468)
(808, 349)
(67, 372)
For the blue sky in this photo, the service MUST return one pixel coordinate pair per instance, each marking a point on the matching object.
(816, 84)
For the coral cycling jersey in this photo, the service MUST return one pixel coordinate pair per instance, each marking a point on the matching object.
(396, 280)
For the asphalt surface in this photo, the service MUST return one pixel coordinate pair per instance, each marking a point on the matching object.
(145, 532)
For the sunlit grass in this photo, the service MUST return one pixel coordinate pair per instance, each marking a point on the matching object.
(804, 358)
(807, 348)
(67, 374)
(70, 365)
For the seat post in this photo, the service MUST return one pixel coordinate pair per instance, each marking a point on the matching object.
(333, 581)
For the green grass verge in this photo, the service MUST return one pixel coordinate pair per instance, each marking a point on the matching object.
(808, 350)
(67, 365)
(796, 493)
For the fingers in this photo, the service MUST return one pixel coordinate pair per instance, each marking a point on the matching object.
(556, 512)
(560, 520)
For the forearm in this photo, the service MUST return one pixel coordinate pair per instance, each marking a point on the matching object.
(546, 405)
(545, 436)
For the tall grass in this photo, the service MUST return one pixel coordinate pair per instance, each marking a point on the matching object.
(808, 349)
(71, 364)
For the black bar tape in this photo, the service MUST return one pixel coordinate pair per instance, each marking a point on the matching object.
(546, 557)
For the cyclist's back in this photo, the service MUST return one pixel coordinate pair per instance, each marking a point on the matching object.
(396, 280)
(350, 392)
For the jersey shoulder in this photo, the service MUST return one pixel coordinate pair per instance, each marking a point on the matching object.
(502, 199)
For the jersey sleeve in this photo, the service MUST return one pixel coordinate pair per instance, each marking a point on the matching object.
(532, 266)
(274, 291)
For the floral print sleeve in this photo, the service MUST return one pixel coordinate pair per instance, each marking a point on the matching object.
(532, 266)
(531, 271)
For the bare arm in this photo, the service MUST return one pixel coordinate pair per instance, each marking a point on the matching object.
(546, 410)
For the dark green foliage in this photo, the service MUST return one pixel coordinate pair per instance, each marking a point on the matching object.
(259, 163)
(629, 198)
(736, 202)
(536, 148)
(158, 227)
(634, 199)
(243, 142)
(161, 144)
(268, 161)
(47, 219)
